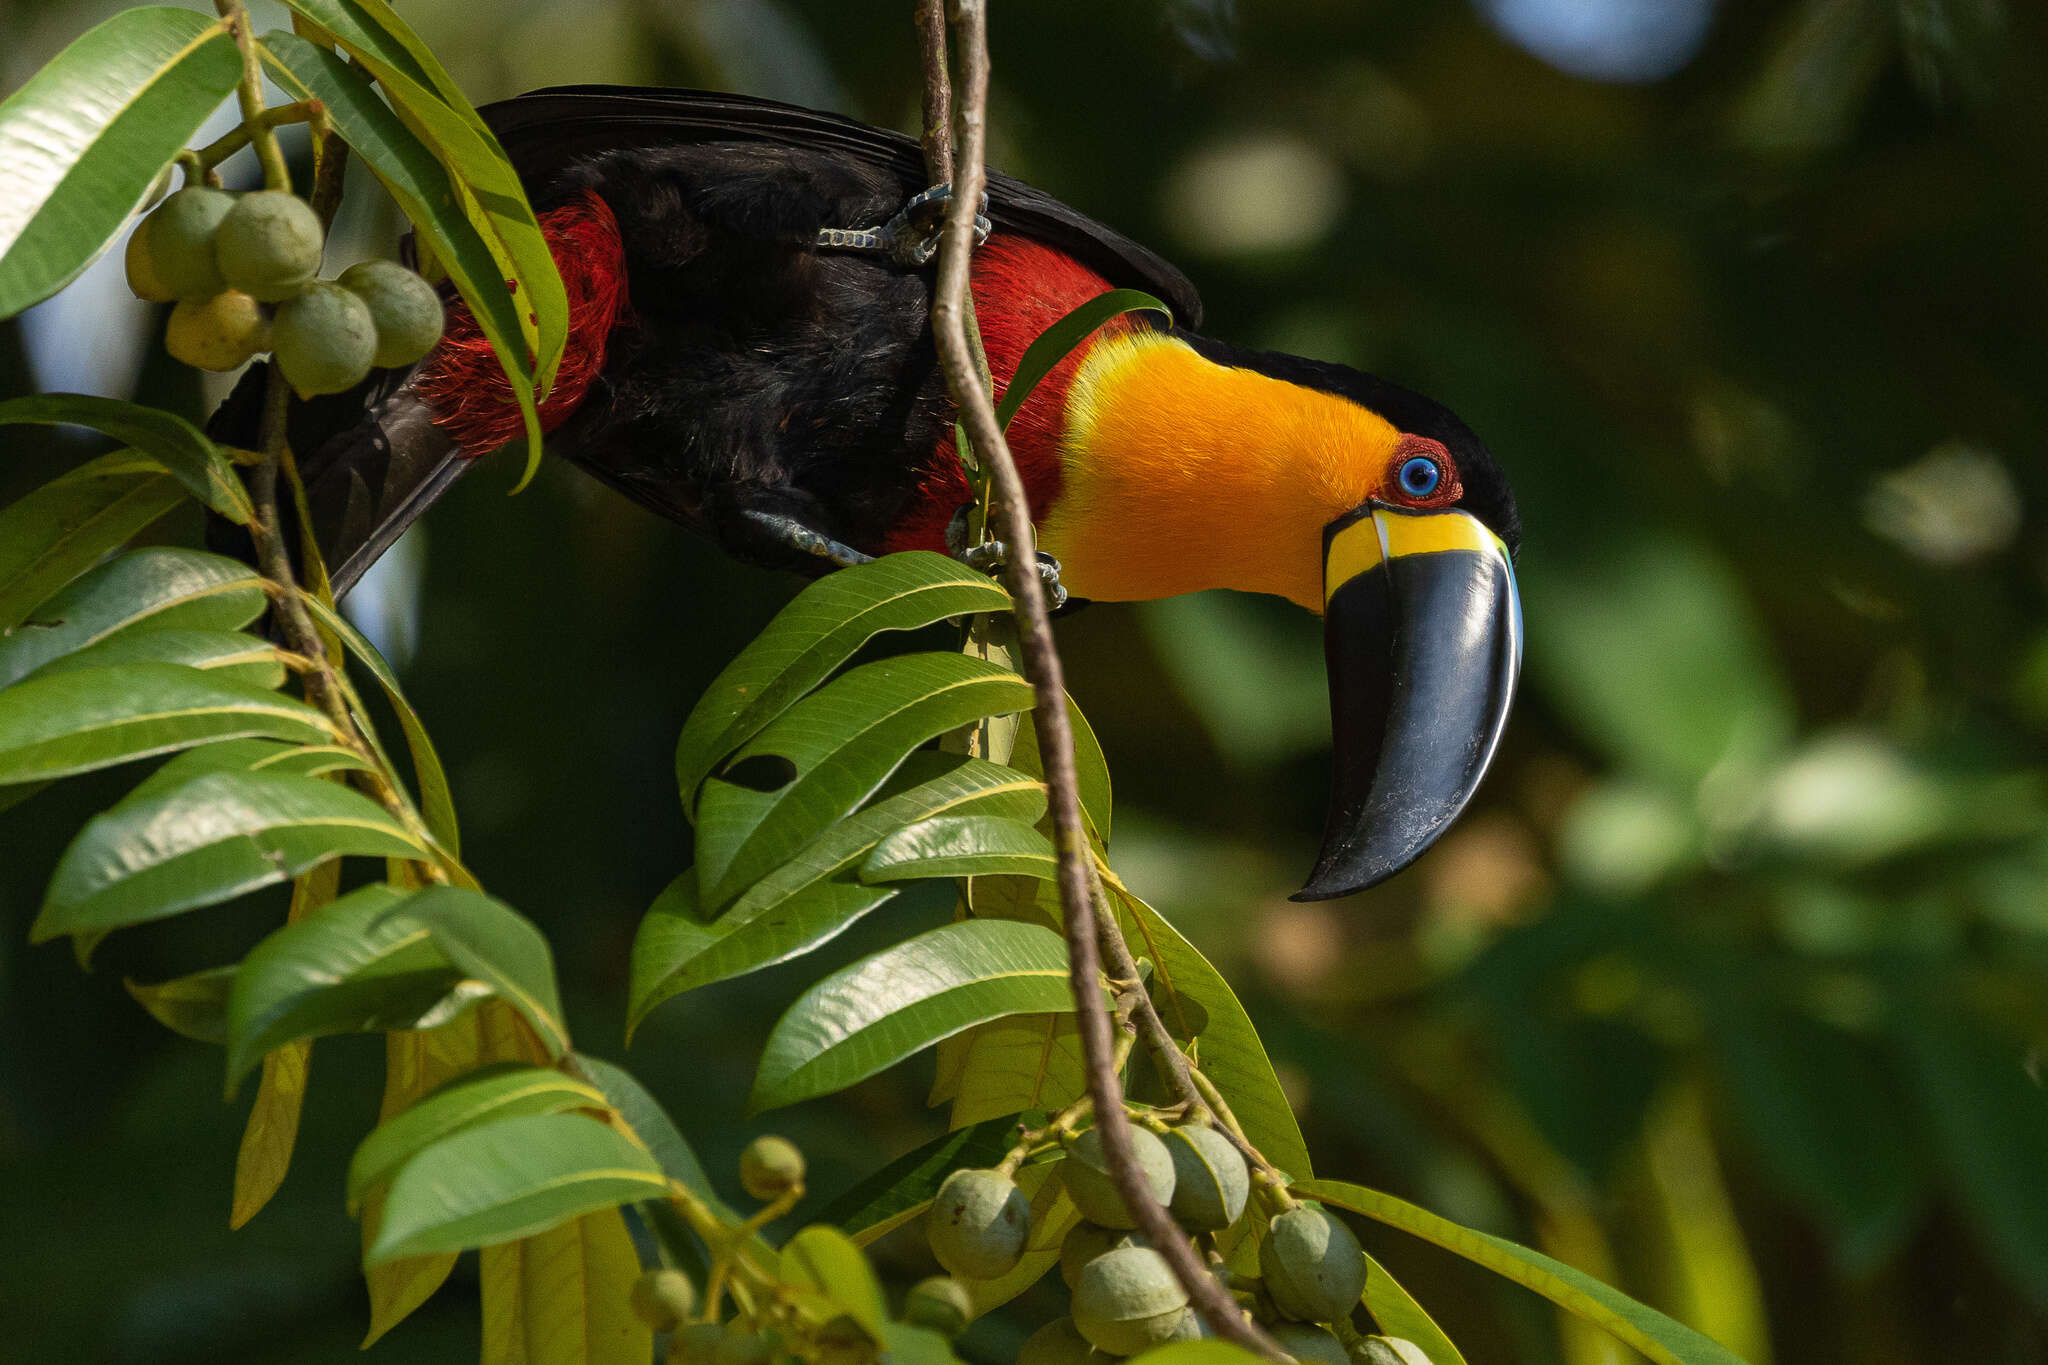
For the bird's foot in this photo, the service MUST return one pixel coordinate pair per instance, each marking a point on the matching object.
(992, 556)
(912, 236)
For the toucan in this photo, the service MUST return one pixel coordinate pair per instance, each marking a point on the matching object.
(749, 354)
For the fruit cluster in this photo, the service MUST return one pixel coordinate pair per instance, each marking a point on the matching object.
(241, 269)
(1125, 1297)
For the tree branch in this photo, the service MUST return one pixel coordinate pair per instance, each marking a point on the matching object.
(951, 314)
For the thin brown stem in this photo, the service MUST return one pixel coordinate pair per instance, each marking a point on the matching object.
(951, 304)
(938, 91)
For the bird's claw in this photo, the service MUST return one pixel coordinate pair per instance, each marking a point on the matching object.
(912, 236)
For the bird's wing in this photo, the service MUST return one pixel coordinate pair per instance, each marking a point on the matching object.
(546, 131)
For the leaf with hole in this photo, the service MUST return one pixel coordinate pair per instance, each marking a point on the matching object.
(871, 1015)
(82, 142)
(97, 717)
(154, 589)
(61, 529)
(815, 895)
(843, 741)
(819, 630)
(165, 437)
(510, 1179)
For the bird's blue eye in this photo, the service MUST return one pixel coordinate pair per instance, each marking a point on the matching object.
(1420, 476)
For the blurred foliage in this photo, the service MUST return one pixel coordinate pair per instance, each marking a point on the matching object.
(1730, 986)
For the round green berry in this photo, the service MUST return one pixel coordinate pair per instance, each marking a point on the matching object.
(219, 333)
(1210, 1182)
(1128, 1301)
(1089, 1240)
(940, 1303)
(323, 339)
(405, 308)
(1309, 1344)
(180, 243)
(1387, 1351)
(1094, 1192)
(978, 1224)
(269, 245)
(1059, 1342)
(664, 1299)
(771, 1166)
(1313, 1268)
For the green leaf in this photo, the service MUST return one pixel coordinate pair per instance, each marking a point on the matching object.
(165, 437)
(507, 1180)
(1232, 1055)
(413, 174)
(645, 1115)
(245, 756)
(216, 837)
(494, 943)
(59, 531)
(352, 967)
(871, 1015)
(484, 182)
(811, 637)
(1198, 1353)
(229, 654)
(829, 752)
(961, 846)
(502, 1091)
(814, 896)
(194, 1006)
(1632, 1323)
(75, 722)
(154, 589)
(1058, 341)
(82, 142)
(1397, 1313)
(437, 804)
(824, 1260)
(907, 1345)
(1091, 769)
(902, 1189)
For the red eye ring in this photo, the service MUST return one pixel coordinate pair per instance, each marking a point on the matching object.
(1400, 483)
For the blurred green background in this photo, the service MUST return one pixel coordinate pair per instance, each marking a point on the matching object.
(1729, 988)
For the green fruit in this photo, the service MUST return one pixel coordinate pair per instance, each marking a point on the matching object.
(663, 1299)
(219, 333)
(695, 1343)
(1089, 1240)
(1313, 1267)
(1086, 1173)
(1309, 1344)
(1191, 1328)
(181, 237)
(1128, 1301)
(1059, 1342)
(323, 340)
(744, 1348)
(144, 280)
(1210, 1182)
(269, 245)
(771, 1166)
(405, 308)
(1388, 1351)
(978, 1224)
(940, 1303)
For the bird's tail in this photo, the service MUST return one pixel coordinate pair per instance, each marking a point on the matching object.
(374, 458)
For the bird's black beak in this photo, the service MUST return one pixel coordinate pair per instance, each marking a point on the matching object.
(1422, 629)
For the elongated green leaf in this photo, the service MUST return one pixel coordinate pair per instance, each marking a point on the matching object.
(416, 179)
(903, 1188)
(94, 718)
(195, 1006)
(1232, 1055)
(1635, 1324)
(817, 632)
(1058, 341)
(215, 837)
(483, 180)
(878, 1011)
(1091, 767)
(645, 1115)
(564, 1296)
(496, 1092)
(494, 943)
(230, 654)
(56, 532)
(510, 1179)
(352, 967)
(1020, 1061)
(961, 846)
(245, 756)
(814, 896)
(165, 437)
(829, 752)
(1399, 1315)
(824, 1260)
(83, 141)
(437, 805)
(154, 589)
